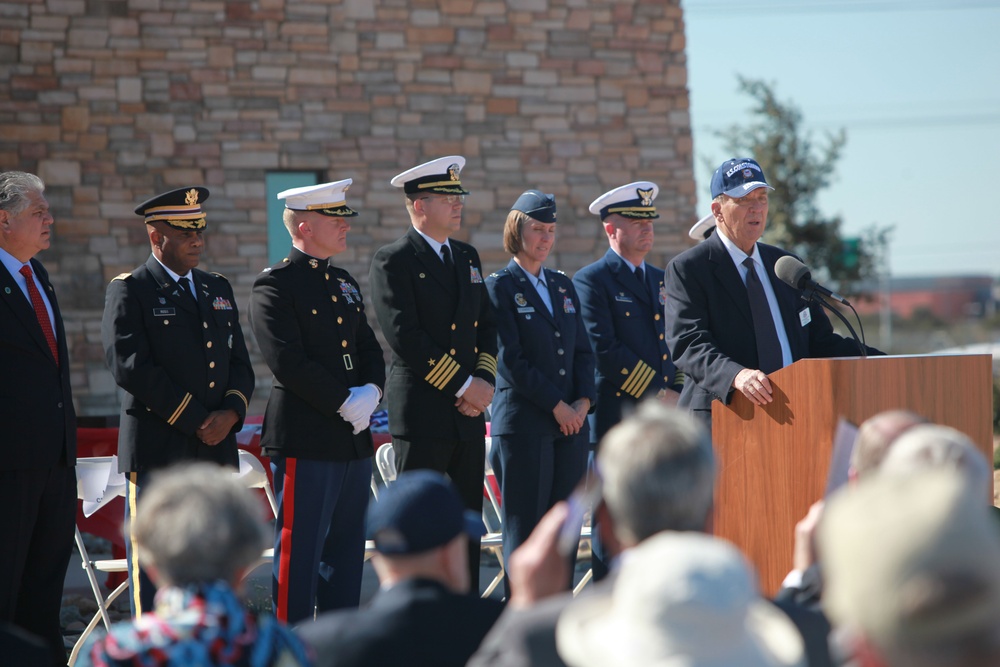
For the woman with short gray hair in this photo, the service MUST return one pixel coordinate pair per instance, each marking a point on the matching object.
(198, 531)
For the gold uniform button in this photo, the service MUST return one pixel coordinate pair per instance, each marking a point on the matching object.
(166, 322)
(657, 317)
(666, 378)
(334, 299)
(340, 320)
(452, 327)
(204, 325)
(664, 357)
(208, 344)
(343, 343)
(628, 314)
(452, 352)
(211, 364)
(476, 323)
(618, 393)
(211, 385)
(314, 311)
(661, 336)
(475, 350)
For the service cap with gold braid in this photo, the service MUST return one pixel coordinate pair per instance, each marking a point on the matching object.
(441, 176)
(180, 209)
(326, 198)
(634, 200)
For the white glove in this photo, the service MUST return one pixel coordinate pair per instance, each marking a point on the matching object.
(360, 405)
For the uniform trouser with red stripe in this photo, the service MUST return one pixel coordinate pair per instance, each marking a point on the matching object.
(319, 535)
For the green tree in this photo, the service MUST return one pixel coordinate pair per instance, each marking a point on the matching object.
(799, 169)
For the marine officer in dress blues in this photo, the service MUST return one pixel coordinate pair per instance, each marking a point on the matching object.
(545, 374)
(622, 299)
(435, 313)
(173, 342)
(309, 319)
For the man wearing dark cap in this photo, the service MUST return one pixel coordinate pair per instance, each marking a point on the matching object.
(434, 311)
(309, 320)
(173, 342)
(730, 321)
(423, 615)
(622, 305)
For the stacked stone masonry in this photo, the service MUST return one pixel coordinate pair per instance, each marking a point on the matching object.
(111, 101)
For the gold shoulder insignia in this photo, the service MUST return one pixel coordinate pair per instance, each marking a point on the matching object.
(122, 276)
(219, 275)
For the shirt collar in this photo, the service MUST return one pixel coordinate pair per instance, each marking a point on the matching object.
(738, 255)
(435, 245)
(174, 275)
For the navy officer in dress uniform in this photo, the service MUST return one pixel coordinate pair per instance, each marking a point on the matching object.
(309, 320)
(435, 313)
(622, 298)
(173, 341)
(545, 374)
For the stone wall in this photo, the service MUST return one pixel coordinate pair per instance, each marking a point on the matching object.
(112, 101)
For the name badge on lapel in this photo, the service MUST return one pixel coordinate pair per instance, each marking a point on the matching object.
(474, 275)
(621, 297)
(805, 316)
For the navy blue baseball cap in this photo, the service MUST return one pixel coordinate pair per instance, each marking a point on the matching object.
(536, 204)
(737, 177)
(418, 512)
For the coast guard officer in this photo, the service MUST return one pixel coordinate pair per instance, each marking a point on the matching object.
(545, 374)
(309, 319)
(173, 342)
(432, 304)
(622, 300)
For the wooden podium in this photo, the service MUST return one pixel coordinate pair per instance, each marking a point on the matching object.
(773, 461)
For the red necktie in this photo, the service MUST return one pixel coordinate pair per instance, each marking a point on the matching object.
(40, 312)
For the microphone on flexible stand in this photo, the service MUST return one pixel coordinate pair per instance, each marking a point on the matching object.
(796, 274)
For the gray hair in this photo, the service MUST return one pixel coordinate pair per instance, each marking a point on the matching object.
(15, 188)
(196, 522)
(876, 434)
(935, 446)
(659, 472)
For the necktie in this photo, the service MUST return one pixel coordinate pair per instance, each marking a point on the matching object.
(40, 312)
(446, 256)
(639, 275)
(186, 287)
(768, 348)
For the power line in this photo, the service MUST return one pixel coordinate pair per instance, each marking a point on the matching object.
(726, 8)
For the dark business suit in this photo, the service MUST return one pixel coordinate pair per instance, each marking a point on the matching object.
(441, 329)
(624, 320)
(710, 328)
(37, 466)
(417, 622)
(544, 358)
(309, 320)
(177, 361)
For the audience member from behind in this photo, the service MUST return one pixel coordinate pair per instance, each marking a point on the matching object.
(423, 613)
(874, 437)
(659, 474)
(911, 571)
(679, 599)
(199, 531)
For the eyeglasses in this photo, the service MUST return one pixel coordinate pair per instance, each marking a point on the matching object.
(451, 200)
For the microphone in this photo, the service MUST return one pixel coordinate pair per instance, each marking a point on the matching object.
(797, 274)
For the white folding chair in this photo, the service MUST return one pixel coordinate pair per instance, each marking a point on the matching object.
(98, 482)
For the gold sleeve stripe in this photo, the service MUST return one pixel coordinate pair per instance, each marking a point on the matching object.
(234, 392)
(180, 409)
(487, 362)
(444, 371)
(679, 377)
(638, 379)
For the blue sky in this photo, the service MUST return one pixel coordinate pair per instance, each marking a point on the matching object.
(916, 86)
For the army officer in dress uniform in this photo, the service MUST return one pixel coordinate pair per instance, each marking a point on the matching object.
(622, 299)
(173, 341)
(435, 313)
(545, 373)
(309, 319)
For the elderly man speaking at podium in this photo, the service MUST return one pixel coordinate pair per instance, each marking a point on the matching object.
(730, 321)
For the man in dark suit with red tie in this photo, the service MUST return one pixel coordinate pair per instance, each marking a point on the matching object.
(37, 468)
